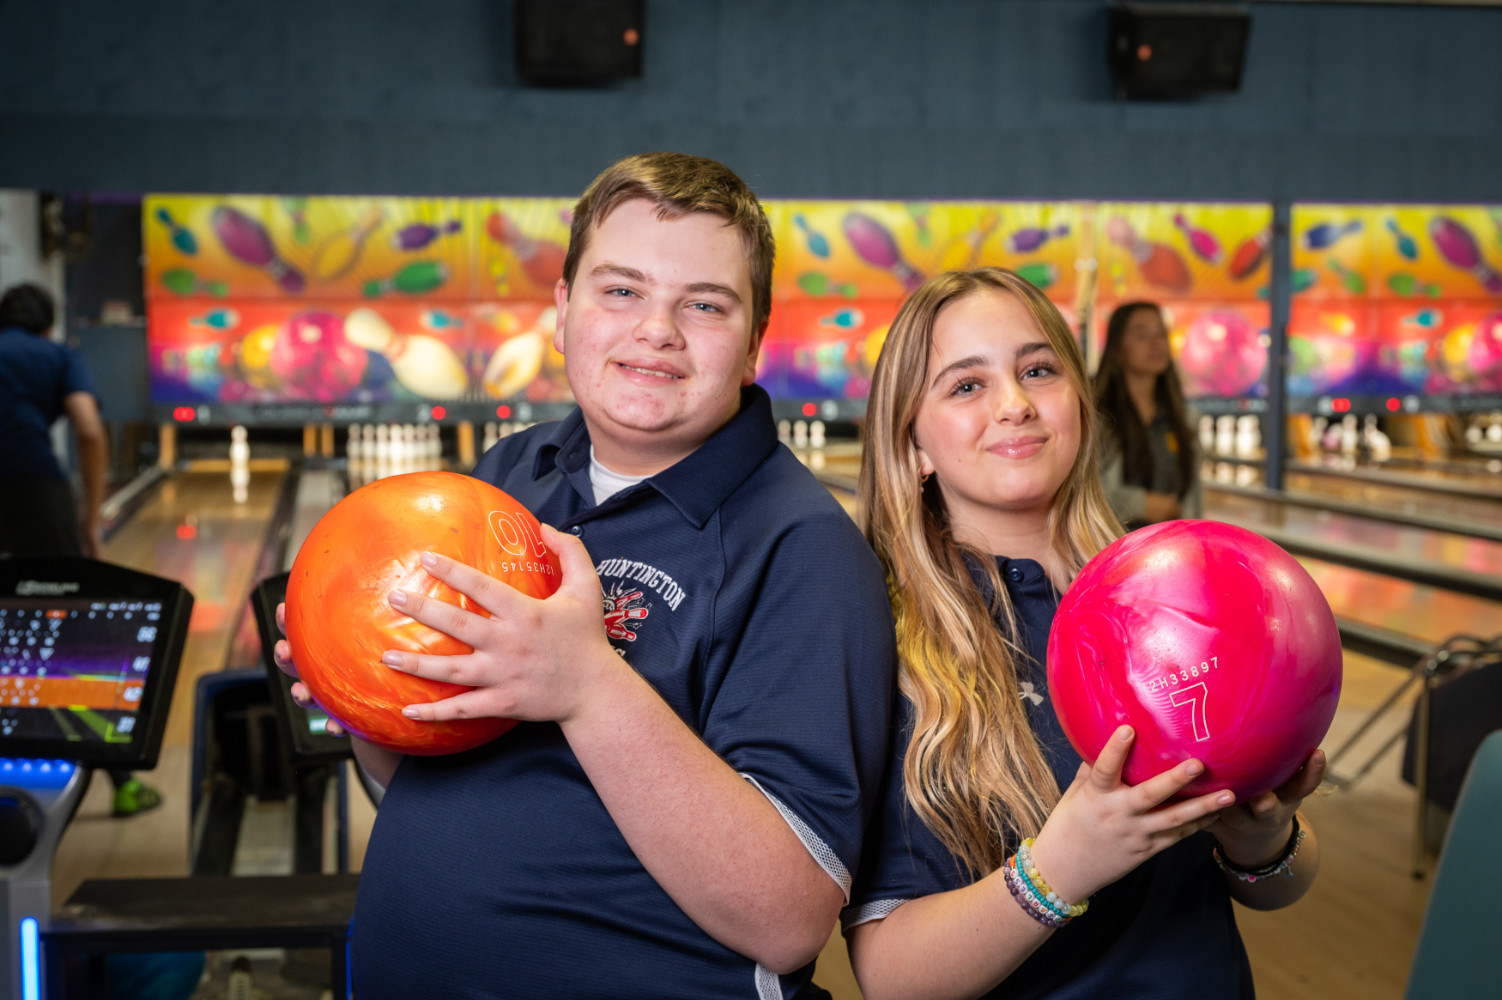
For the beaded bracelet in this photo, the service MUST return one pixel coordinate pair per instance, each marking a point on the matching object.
(1033, 894)
(1282, 866)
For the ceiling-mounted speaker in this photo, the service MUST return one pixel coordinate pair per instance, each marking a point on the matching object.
(1172, 51)
(577, 43)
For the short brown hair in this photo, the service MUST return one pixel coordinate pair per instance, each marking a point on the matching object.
(678, 184)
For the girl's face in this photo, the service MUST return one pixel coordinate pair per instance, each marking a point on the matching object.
(1144, 344)
(998, 421)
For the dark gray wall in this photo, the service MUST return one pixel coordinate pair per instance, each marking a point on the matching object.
(884, 98)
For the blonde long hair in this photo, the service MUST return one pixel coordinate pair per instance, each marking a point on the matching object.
(973, 768)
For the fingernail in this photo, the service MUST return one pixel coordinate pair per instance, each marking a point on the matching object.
(397, 598)
(1124, 733)
(1226, 798)
(428, 559)
(1195, 767)
(410, 713)
(391, 659)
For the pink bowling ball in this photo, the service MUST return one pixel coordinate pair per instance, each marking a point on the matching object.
(1484, 356)
(1211, 642)
(314, 359)
(1223, 352)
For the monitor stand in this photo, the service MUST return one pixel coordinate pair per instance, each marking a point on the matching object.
(37, 801)
(65, 620)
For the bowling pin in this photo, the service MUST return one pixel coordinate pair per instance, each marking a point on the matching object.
(409, 441)
(816, 434)
(1245, 425)
(1494, 429)
(1207, 434)
(541, 260)
(337, 255)
(1350, 437)
(875, 244)
(424, 364)
(182, 236)
(352, 444)
(1475, 433)
(1378, 444)
(800, 434)
(490, 436)
(784, 431)
(239, 448)
(1225, 435)
(246, 240)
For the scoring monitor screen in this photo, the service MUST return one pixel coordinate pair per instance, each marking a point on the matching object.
(74, 670)
(88, 658)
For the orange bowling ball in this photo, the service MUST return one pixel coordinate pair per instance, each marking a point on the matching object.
(339, 621)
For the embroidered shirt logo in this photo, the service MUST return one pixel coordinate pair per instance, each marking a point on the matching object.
(623, 609)
(1027, 693)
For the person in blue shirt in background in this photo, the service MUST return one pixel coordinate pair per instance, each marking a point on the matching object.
(42, 381)
(979, 493)
(681, 810)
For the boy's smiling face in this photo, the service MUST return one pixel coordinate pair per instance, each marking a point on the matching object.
(656, 334)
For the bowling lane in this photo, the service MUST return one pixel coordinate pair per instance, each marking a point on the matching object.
(191, 529)
(194, 531)
(1397, 497)
(1401, 606)
(1424, 612)
(1419, 546)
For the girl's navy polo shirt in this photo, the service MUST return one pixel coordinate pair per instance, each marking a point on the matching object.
(1165, 931)
(736, 584)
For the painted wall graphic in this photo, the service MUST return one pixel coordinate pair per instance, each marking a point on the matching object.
(1397, 300)
(271, 300)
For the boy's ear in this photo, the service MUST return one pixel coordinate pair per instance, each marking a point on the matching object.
(753, 352)
(560, 299)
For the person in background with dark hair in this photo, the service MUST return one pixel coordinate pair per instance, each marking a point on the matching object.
(40, 381)
(1148, 463)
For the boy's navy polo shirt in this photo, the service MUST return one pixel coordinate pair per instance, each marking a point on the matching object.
(1165, 931)
(734, 583)
(36, 376)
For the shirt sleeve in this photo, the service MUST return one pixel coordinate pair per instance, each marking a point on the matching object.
(74, 377)
(902, 860)
(803, 710)
(1128, 502)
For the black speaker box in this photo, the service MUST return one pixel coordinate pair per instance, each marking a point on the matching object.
(572, 43)
(1172, 51)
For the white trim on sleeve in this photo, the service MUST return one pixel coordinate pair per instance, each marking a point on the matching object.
(822, 853)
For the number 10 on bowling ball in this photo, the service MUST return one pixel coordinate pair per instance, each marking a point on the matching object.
(1211, 642)
(339, 621)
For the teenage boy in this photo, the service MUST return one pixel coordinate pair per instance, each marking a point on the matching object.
(681, 809)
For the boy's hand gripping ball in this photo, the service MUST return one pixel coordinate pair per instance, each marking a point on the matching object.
(339, 621)
(1211, 642)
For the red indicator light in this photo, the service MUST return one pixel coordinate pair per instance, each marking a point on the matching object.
(809, 409)
(503, 411)
(186, 532)
(1340, 405)
(1144, 52)
(439, 413)
(183, 414)
(1393, 404)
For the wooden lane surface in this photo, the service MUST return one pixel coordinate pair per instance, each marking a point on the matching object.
(1422, 546)
(193, 531)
